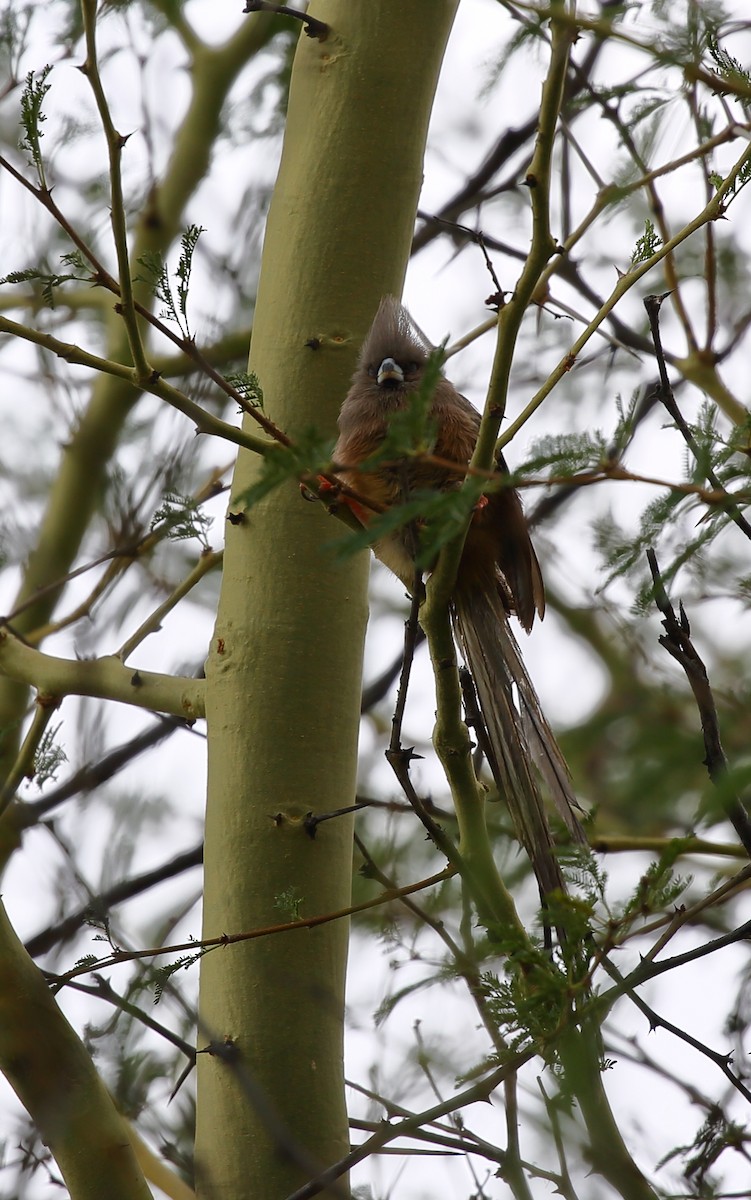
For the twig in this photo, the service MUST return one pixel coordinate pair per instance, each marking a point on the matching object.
(565, 1186)
(97, 907)
(712, 211)
(399, 757)
(411, 627)
(652, 304)
(646, 971)
(208, 561)
(225, 939)
(119, 558)
(388, 1132)
(677, 641)
(377, 689)
(94, 775)
(24, 766)
(311, 27)
(104, 991)
(657, 1022)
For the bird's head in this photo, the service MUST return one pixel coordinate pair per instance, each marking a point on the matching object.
(395, 351)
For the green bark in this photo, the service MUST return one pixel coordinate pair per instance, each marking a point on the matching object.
(54, 1078)
(284, 673)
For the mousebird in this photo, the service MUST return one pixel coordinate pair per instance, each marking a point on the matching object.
(498, 573)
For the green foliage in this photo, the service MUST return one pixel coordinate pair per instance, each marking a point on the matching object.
(659, 887)
(86, 960)
(740, 181)
(32, 118)
(647, 245)
(713, 461)
(435, 518)
(50, 280)
(162, 975)
(248, 385)
(728, 67)
(289, 902)
(309, 456)
(157, 276)
(566, 454)
(49, 757)
(533, 1000)
(716, 1135)
(625, 553)
(181, 518)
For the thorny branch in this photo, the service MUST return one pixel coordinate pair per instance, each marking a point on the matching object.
(677, 641)
(122, 956)
(311, 27)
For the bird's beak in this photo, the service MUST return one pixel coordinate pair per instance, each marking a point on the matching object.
(389, 369)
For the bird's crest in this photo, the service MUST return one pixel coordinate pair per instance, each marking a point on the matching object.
(394, 334)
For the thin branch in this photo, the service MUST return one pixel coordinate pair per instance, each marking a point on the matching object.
(142, 377)
(204, 421)
(97, 907)
(312, 27)
(658, 1022)
(115, 145)
(208, 561)
(227, 939)
(23, 767)
(378, 688)
(652, 305)
(542, 246)
(94, 775)
(120, 558)
(677, 641)
(711, 212)
(627, 844)
(647, 971)
(103, 990)
(565, 1184)
(389, 1131)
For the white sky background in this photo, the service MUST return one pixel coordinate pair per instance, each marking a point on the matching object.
(446, 296)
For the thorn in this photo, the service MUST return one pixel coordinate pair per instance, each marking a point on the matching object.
(404, 755)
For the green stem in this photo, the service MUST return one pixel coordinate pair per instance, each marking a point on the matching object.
(711, 212)
(115, 144)
(106, 678)
(579, 1051)
(542, 246)
(153, 623)
(54, 1078)
(453, 747)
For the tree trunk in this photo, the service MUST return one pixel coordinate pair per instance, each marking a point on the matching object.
(284, 672)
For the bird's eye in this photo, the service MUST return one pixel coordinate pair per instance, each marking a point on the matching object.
(411, 368)
(373, 372)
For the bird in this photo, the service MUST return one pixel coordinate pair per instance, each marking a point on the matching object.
(498, 575)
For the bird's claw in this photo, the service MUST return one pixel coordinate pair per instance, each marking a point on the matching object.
(327, 491)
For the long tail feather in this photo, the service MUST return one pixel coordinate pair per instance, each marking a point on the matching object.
(521, 748)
